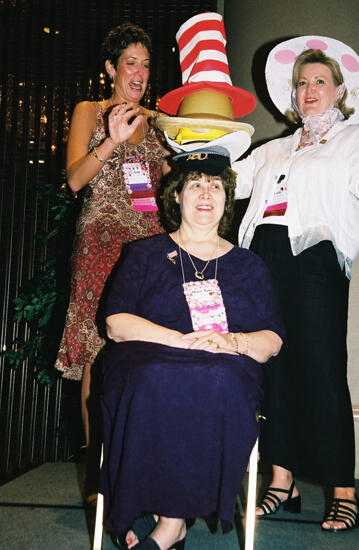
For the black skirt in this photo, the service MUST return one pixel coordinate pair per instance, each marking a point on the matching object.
(309, 427)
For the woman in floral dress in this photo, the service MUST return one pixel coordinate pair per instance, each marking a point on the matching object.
(113, 152)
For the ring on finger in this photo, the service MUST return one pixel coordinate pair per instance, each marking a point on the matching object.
(210, 341)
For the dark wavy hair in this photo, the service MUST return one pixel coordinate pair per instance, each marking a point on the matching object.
(175, 186)
(120, 38)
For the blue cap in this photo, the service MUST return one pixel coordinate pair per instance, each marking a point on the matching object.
(207, 160)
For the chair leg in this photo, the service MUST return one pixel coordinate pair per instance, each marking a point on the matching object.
(251, 498)
(250, 515)
(98, 533)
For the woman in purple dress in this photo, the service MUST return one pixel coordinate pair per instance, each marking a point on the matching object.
(193, 319)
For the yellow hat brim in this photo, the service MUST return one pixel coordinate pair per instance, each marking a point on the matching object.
(172, 125)
(236, 144)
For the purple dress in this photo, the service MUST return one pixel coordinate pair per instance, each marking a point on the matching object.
(179, 424)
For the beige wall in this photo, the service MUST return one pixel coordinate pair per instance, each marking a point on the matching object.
(253, 27)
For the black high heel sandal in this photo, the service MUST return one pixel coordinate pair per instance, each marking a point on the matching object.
(141, 528)
(270, 502)
(340, 512)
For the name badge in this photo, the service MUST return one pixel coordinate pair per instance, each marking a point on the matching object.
(279, 201)
(205, 302)
(136, 173)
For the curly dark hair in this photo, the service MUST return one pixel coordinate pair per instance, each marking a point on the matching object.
(119, 38)
(175, 186)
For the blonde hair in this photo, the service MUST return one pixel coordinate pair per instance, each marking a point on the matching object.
(318, 56)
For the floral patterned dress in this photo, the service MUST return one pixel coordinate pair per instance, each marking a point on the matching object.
(107, 221)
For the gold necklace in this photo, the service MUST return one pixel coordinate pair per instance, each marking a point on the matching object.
(198, 274)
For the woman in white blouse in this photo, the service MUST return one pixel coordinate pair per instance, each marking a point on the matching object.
(303, 220)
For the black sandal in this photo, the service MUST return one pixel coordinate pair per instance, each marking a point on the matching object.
(340, 512)
(270, 502)
(141, 527)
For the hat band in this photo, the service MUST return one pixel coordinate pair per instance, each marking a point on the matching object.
(204, 162)
(204, 103)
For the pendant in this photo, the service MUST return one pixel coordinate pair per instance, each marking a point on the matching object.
(199, 275)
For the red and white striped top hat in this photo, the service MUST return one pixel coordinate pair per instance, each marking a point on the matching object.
(201, 42)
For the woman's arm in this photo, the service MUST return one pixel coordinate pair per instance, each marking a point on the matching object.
(245, 173)
(83, 166)
(122, 327)
(260, 345)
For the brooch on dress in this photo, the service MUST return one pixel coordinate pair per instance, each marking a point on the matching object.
(171, 256)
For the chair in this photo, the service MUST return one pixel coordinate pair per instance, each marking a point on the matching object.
(250, 515)
(251, 498)
(98, 533)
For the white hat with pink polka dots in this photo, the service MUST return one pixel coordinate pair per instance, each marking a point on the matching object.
(280, 63)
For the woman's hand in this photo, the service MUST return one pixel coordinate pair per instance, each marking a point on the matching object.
(260, 345)
(123, 121)
(210, 340)
(83, 166)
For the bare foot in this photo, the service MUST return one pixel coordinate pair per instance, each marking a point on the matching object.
(131, 539)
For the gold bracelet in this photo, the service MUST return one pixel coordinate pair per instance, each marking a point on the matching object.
(94, 152)
(245, 338)
(235, 341)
